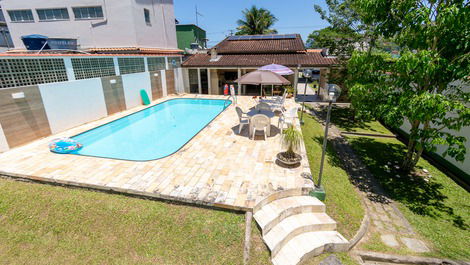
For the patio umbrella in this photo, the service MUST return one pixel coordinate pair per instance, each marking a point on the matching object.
(262, 77)
(277, 68)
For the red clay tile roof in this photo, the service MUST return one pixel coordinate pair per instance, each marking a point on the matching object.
(139, 50)
(261, 45)
(82, 54)
(257, 60)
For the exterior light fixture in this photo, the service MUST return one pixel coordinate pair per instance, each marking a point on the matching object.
(333, 93)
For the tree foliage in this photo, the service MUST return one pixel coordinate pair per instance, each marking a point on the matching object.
(428, 85)
(256, 21)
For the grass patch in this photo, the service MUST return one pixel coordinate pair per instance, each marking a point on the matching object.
(436, 207)
(343, 118)
(56, 225)
(343, 203)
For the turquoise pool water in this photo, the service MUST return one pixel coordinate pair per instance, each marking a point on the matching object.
(152, 133)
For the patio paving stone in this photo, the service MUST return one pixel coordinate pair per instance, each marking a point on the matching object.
(217, 167)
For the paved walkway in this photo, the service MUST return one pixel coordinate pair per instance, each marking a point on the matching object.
(386, 219)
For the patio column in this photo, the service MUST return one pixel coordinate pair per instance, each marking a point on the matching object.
(296, 80)
(209, 83)
(199, 86)
(239, 86)
(323, 81)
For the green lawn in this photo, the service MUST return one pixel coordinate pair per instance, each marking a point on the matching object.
(343, 203)
(343, 118)
(57, 225)
(438, 209)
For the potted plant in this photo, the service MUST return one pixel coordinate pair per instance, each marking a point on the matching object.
(291, 139)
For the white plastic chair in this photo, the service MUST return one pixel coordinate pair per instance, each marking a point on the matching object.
(263, 106)
(259, 122)
(279, 105)
(232, 94)
(243, 118)
(287, 117)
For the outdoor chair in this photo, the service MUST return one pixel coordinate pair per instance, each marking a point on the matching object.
(279, 105)
(233, 95)
(243, 119)
(287, 117)
(263, 106)
(259, 122)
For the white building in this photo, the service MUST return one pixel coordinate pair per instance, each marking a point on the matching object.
(94, 23)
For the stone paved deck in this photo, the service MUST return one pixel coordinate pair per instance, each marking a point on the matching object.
(217, 167)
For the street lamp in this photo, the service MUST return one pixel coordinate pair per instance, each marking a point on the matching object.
(333, 93)
(307, 73)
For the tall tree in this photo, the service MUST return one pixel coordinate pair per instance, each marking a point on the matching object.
(428, 85)
(346, 32)
(256, 21)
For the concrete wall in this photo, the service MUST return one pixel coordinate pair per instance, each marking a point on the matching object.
(132, 84)
(3, 141)
(23, 119)
(70, 104)
(50, 108)
(123, 24)
(465, 131)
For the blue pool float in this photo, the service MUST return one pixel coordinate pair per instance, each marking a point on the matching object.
(64, 145)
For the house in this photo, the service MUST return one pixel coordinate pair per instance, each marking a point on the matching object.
(190, 37)
(128, 26)
(235, 56)
(5, 38)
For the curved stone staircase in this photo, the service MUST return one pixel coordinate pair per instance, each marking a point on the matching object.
(295, 227)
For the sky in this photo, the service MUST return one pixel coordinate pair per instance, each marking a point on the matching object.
(220, 16)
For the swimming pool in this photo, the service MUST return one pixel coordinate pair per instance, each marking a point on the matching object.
(152, 133)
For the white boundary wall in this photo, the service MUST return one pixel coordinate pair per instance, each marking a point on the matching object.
(132, 84)
(69, 104)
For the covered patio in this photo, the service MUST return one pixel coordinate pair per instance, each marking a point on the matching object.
(207, 73)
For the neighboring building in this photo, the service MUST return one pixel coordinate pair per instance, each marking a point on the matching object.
(130, 24)
(237, 55)
(5, 38)
(190, 37)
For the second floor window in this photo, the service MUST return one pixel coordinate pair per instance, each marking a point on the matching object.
(21, 15)
(91, 12)
(147, 16)
(53, 14)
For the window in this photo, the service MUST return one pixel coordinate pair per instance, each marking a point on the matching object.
(26, 72)
(91, 12)
(21, 15)
(93, 67)
(53, 14)
(174, 62)
(156, 63)
(131, 65)
(147, 16)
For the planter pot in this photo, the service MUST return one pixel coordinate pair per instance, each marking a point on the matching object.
(289, 161)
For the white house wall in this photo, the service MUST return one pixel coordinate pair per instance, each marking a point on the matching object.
(69, 104)
(123, 24)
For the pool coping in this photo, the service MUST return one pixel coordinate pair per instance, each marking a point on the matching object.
(147, 160)
(212, 191)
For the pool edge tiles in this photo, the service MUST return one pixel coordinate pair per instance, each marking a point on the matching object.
(173, 134)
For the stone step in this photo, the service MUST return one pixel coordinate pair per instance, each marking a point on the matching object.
(294, 225)
(274, 212)
(306, 245)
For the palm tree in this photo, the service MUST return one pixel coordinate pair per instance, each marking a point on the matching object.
(256, 21)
